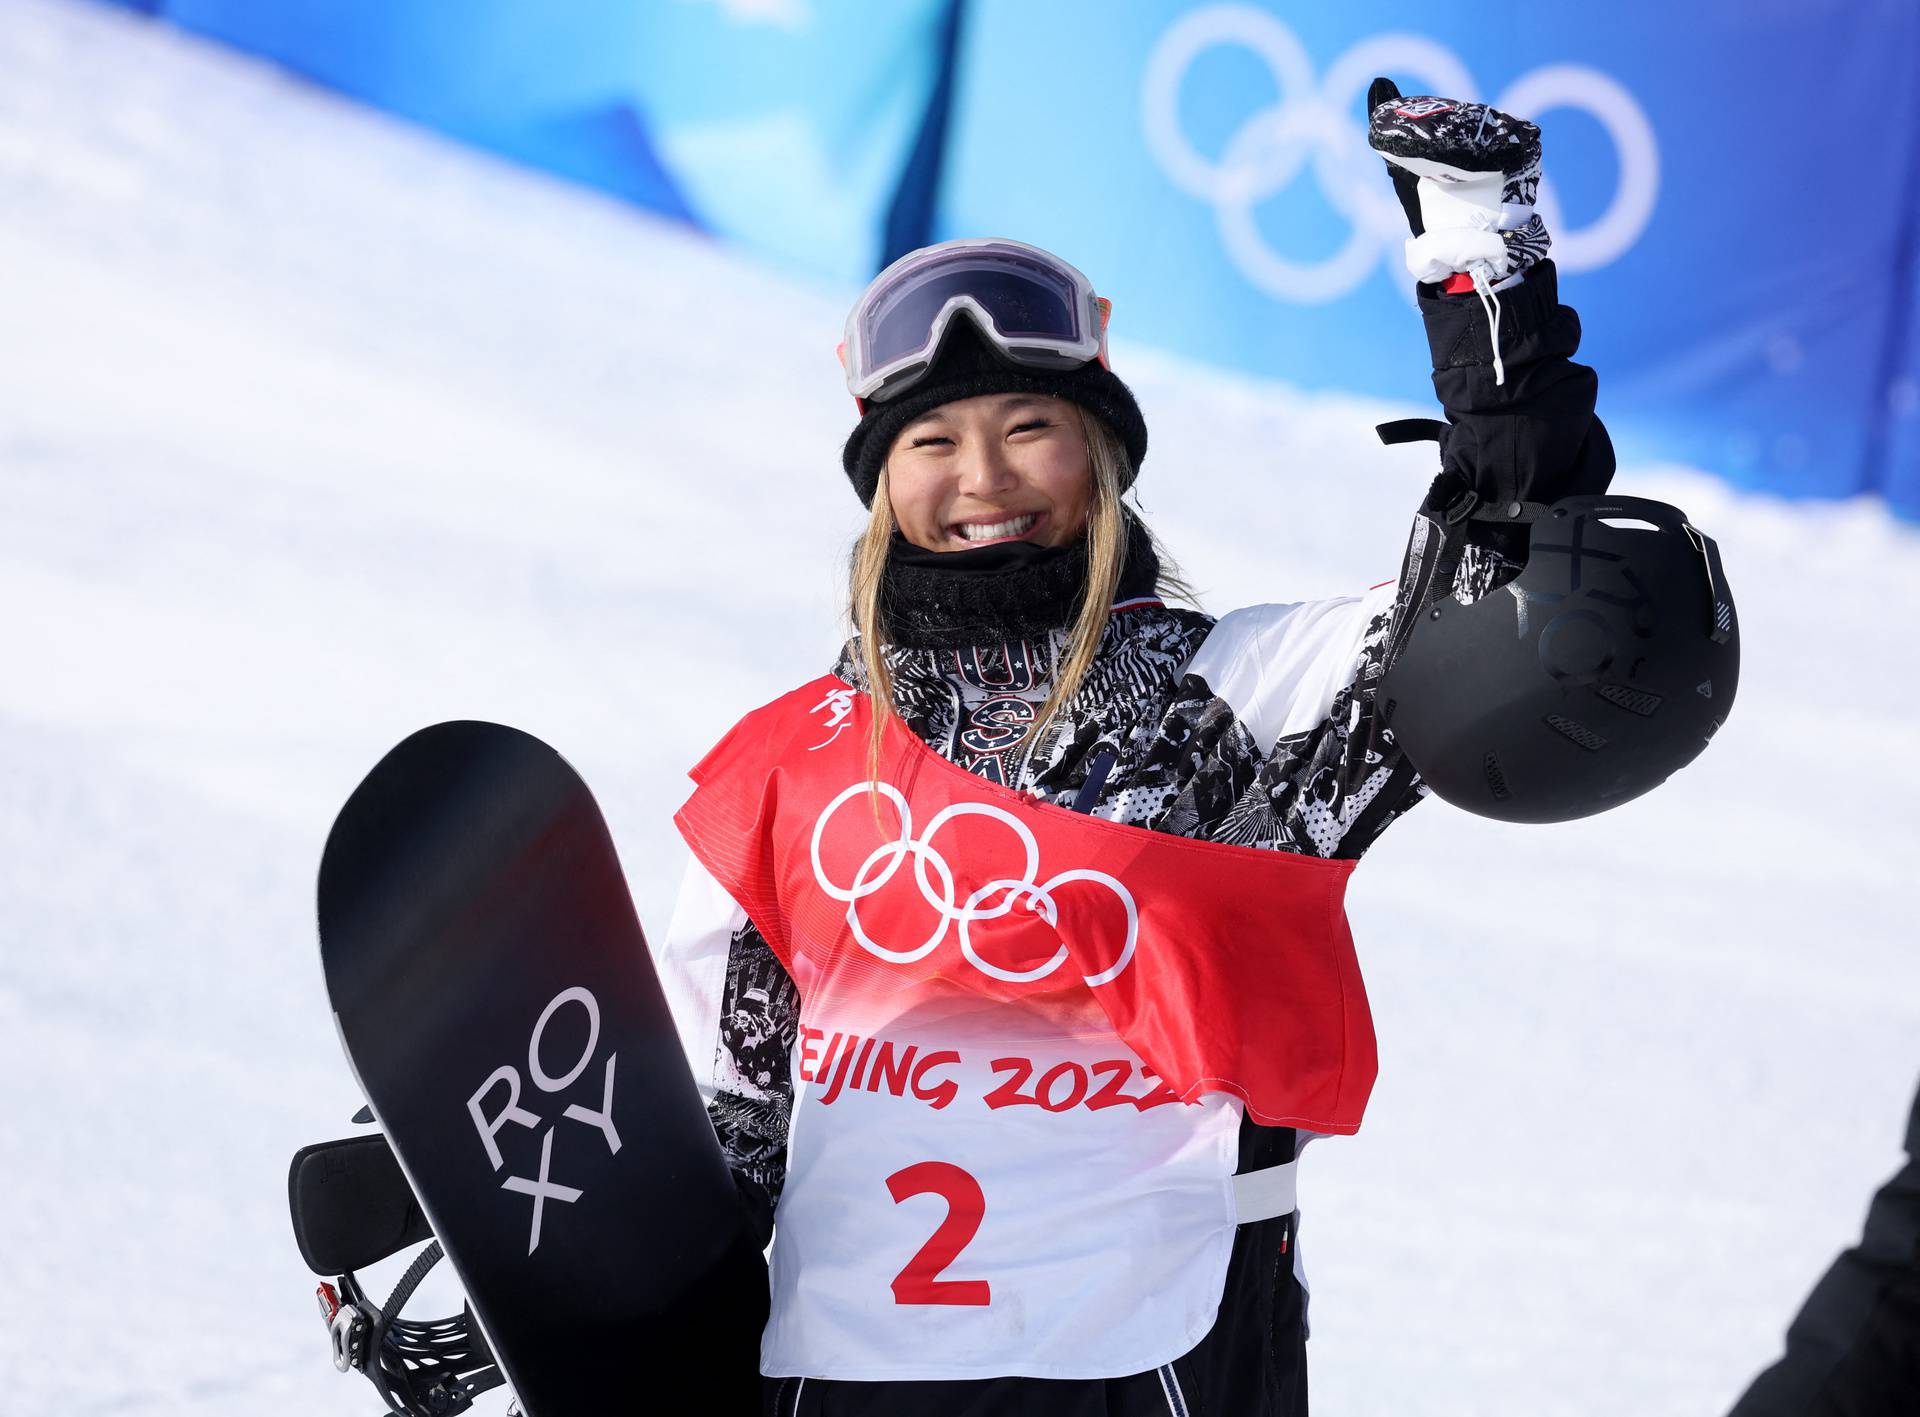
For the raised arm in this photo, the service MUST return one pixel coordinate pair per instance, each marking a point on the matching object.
(1520, 426)
(1520, 413)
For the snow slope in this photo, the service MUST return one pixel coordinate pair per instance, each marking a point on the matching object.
(314, 429)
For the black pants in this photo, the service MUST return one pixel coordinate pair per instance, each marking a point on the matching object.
(1854, 1348)
(1253, 1363)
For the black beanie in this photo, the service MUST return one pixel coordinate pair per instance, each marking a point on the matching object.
(967, 366)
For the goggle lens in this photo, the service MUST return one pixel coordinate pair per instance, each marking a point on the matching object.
(1024, 300)
(1020, 306)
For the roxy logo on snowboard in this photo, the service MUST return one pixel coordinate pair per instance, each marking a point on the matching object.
(498, 1101)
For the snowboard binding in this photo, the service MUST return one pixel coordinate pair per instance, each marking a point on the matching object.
(351, 1208)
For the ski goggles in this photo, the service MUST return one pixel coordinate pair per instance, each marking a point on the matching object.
(1036, 310)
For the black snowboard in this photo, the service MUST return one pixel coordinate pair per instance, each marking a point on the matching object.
(496, 1000)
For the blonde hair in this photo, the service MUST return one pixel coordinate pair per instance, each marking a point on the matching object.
(1106, 555)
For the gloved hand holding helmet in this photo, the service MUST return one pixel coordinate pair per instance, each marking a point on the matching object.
(1613, 656)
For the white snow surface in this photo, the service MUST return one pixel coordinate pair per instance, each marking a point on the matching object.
(315, 429)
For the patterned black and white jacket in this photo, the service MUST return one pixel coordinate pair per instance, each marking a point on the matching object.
(1258, 729)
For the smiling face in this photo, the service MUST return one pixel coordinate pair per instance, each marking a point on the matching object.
(1000, 467)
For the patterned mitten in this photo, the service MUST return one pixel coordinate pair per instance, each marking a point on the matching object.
(1473, 172)
(1467, 176)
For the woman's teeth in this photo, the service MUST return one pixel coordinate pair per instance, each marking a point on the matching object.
(990, 531)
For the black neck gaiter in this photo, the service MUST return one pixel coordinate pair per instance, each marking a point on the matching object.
(1010, 590)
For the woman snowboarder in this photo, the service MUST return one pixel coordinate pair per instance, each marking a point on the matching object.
(1039, 892)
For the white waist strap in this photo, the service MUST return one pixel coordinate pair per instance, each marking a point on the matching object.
(1263, 1194)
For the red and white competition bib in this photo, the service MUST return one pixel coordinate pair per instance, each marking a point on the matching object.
(1026, 1038)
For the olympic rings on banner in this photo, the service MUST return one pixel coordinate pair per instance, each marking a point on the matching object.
(1037, 895)
(1309, 121)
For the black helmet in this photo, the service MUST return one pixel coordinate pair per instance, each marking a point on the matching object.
(1603, 667)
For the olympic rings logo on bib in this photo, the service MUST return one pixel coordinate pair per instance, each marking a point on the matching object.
(994, 900)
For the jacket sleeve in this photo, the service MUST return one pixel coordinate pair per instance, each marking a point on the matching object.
(738, 1014)
(1855, 1344)
(1534, 437)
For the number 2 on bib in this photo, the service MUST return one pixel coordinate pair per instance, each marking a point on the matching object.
(920, 1282)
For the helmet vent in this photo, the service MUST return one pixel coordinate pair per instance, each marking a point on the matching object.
(1577, 731)
(1632, 700)
(1496, 780)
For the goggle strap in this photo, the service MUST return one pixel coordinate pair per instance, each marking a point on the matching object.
(840, 353)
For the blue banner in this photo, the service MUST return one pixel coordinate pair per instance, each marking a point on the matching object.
(1731, 190)
(790, 124)
(783, 125)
